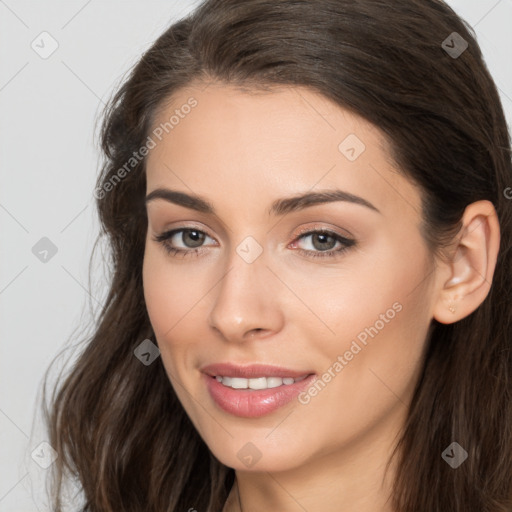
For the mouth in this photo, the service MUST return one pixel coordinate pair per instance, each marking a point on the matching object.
(254, 390)
(257, 383)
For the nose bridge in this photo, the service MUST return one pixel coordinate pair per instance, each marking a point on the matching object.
(246, 300)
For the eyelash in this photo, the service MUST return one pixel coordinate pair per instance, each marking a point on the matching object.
(173, 251)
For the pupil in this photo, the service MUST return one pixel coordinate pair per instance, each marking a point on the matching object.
(322, 243)
(197, 238)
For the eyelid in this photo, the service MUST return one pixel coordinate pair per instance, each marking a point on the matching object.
(347, 242)
(322, 227)
(183, 226)
(302, 231)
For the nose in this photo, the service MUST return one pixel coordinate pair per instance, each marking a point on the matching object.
(246, 301)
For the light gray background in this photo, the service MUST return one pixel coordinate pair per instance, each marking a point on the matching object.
(49, 162)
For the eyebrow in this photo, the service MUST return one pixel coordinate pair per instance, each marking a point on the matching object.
(279, 207)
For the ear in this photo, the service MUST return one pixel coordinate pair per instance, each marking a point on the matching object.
(465, 280)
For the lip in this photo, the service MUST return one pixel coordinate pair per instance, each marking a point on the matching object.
(248, 403)
(251, 371)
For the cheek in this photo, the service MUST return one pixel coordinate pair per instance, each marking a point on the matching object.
(380, 321)
(171, 291)
(382, 296)
(165, 306)
(158, 292)
(175, 296)
(375, 376)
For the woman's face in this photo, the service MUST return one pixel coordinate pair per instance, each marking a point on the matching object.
(352, 305)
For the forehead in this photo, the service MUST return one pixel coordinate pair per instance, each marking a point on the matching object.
(284, 141)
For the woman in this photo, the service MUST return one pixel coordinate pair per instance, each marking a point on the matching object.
(310, 301)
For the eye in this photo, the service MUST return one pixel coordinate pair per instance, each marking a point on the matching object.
(321, 245)
(323, 242)
(191, 238)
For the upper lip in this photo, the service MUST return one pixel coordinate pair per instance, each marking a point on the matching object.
(251, 371)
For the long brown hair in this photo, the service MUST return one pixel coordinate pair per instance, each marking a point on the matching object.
(117, 424)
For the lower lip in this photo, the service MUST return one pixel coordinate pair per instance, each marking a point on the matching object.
(249, 403)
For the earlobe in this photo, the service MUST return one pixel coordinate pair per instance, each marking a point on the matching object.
(471, 269)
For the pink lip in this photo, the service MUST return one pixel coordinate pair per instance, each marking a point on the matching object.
(249, 403)
(251, 371)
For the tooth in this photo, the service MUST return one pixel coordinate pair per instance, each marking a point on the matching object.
(274, 382)
(238, 383)
(257, 383)
(260, 383)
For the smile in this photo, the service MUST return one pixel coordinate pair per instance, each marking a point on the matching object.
(257, 383)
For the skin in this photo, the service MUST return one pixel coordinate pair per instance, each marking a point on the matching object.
(241, 151)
